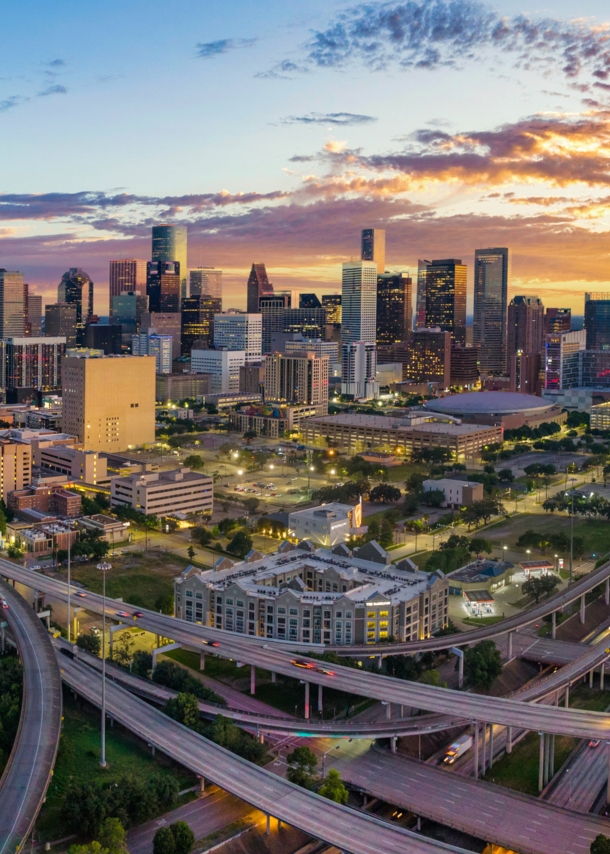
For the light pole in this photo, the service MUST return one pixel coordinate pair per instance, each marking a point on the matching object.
(103, 567)
(572, 481)
(309, 471)
(336, 747)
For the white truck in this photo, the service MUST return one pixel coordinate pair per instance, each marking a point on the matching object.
(458, 748)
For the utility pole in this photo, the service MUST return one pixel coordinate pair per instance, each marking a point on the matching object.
(69, 544)
(103, 567)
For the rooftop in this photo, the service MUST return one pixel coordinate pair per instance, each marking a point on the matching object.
(487, 403)
(422, 421)
(480, 570)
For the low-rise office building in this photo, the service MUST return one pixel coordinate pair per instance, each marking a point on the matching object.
(327, 525)
(87, 466)
(479, 577)
(458, 493)
(178, 387)
(316, 596)
(52, 498)
(164, 493)
(271, 419)
(45, 538)
(110, 529)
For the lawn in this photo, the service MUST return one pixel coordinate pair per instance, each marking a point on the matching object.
(519, 770)
(481, 621)
(595, 532)
(78, 761)
(215, 667)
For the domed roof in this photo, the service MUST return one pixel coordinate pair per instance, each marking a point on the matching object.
(488, 403)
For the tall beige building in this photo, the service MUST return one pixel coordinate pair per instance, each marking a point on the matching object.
(109, 401)
(301, 377)
(15, 466)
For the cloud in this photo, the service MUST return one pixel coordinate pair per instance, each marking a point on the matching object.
(208, 50)
(302, 158)
(329, 119)
(10, 102)
(284, 70)
(55, 63)
(56, 89)
(431, 34)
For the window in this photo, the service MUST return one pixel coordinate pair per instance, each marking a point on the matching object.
(240, 603)
(307, 613)
(294, 612)
(229, 601)
(189, 593)
(338, 614)
(371, 615)
(348, 615)
(281, 610)
(384, 613)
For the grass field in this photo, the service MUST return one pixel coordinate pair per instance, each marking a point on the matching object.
(78, 761)
(595, 532)
(482, 621)
(519, 770)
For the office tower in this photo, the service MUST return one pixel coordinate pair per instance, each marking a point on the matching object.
(446, 297)
(76, 288)
(107, 337)
(127, 275)
(109, 401)
(373, 247)
(12, 303)
(394, 307)
(313, 345)
(332, 304)
(258, 286)
(272, 308)
(33, 313)
(597, 321)
(163, 286)
(127, 310)
(164, 324)
(420, 297)
(525, 344)
(34, 363)
(252, 378)
(60, 319)
(198, 321)
(464, 366)
(309, 301)
(240, 332)
(169, 243)
(428, 357)
(359, 302)
(359, 370)
(557, 320)
(223, 367)
(563, 360)
(490, 308)
(15, 467)
(308, 322)
(205, 280)
(159, 346)
(301, 377)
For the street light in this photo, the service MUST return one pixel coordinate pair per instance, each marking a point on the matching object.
(69, 543)
(309, 471)
(103, 567)
(572, 481)
(324, 758)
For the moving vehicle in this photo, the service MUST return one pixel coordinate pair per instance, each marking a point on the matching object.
(137, 614)
(595, 742)
(300, 662)
(81, 594)
(122, 614)
(458, 748)
(3, 602)
(325, 670)
(210, 643)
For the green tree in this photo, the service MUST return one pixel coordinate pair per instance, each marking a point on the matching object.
(241, 544)
(430, 677)
(122, 647)
(113, 836)
(165, 603)
(433, 498)
(183, 837)
(540, 585)
(90, 643)
(164, 842)
(141, 664)
(385, 492)
(184, 708)
(190, 552)
(194, 461)
(334, 788)
(201, 535)
(600, 845)
(251, 504)
(249, 435)
(482, 663)
(478, 545)
(301, 765)
(386, 535)
(91, 848)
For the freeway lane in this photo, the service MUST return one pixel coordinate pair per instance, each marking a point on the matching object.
(258, 652)
(351, 830)
(28, 773)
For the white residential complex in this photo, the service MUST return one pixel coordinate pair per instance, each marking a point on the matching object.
(223, 367)
(240, 332)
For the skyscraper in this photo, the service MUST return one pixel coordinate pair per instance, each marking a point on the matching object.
(394, 307)
(164, 324)
(169, 243)
(163, 286)
(298, 378)
(420, 299)
(205, 280)
(332, 304)
(159, 346)
(60, 319)
(128, 274)
(272, 308)
(557, 320)
(127, 310)
(33, 312)
(70, 290)
(12, 304)
(446, 297)
(525, 343)
(258, 286)
(198, 321)
(34, 363)
(563, 360)
(490, 308)
(373, 247)
(239, 332)
(359, 326)
(597, 321)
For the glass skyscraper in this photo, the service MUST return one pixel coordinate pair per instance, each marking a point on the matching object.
(169, 243)
(394, 307)
(446, 297)
(490, 308)
(597, 321)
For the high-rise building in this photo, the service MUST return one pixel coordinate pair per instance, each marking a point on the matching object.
(107, 337)
(205, 280)
(163, 280)
(169, 243)
(394, 307)
(198, 321)
(446, 297)
(12, 303)
(34, 363)
(490, 308)
(159, 346)
(33, 313)
(109, 401)
(332, 304)
(420, 299)
(127, 275)
(557, 320)
(309, 301)
(313, 345)
(563, 360)
(597, 320)
(373, 247)
(258, 286)
(164, 324)
(15, 467)
(223, 367)
(272, 308)
(301, 377)
(76, 288)
(359, 370)
(127, 310)
(525, 344)
(60, 320)
(308, 322)
(429, 357)
(359, 327)
(239, 332)
(464, 366)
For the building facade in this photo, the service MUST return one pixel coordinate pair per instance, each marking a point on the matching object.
(164, 493)
(12, 304)
(525, 344)
(159, 346)
(34, 363)
(60, 320)
(222, 366)
(428, 357)
(557, 320)
(446, 291)
(198, 321)
(490, 309)
(563, 360)
(258, 286)
(169, 243)
(240, 332)
(205, 281)
(168, 323)
(76, 288)
(127, 274)
(597, 321)
(298, 378)
(373, 247)
(394, 307)
(458, 493)
(15, 467)
(176, 387)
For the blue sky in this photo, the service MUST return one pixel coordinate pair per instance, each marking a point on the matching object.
(277, 131)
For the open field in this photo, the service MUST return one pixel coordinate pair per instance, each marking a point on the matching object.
(595, 532)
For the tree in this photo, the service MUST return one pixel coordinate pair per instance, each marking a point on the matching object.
(251, 504)
(433, 497)
(334, 788)
(90, 643)
(301, 765)
(190, 552)
(141, 664)
(240, 544)
(201, 535)
(194, 461)
(249, 435)
(113, 836)
(600, 845)
(183, 837)
(165, 603)
(506, 476)
(184, 708)
(482, 663)
(430, 677)
(164, 842)
(92, 848)
(386, 535)
(540, 585)
(122, 647)
(385, 492)
(478, 545)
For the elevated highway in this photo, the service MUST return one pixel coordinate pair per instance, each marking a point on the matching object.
(28, 773)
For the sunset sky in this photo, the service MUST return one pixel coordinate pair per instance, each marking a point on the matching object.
(276, 131)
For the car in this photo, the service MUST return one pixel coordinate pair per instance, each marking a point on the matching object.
(325, 670)
(210, 643)
(36, 566)
(300, 662)
(80, 594)
(94, 630)
(595, 742)
(137, 614)
(122, 614)
(3, 602)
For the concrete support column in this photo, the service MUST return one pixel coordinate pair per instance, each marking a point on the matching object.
(491, 746)
(379, 661)
(552, 759)
(547, 758)
(554, 624)
(273, 677)
(590, 678)
(566, 702)
(268, 830)
(393, 741)
(484, 762)
(541, 764)
(307, 701)
(252, 679)
(202, 785)
(402, 711)
(608, 787)
(510, 645)
(476, 750)
(388, 712)
(320, 705)
(607, 592)
(202, 660)
(279, 824)
(602, 673)
(509, 739)
(582, 608)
